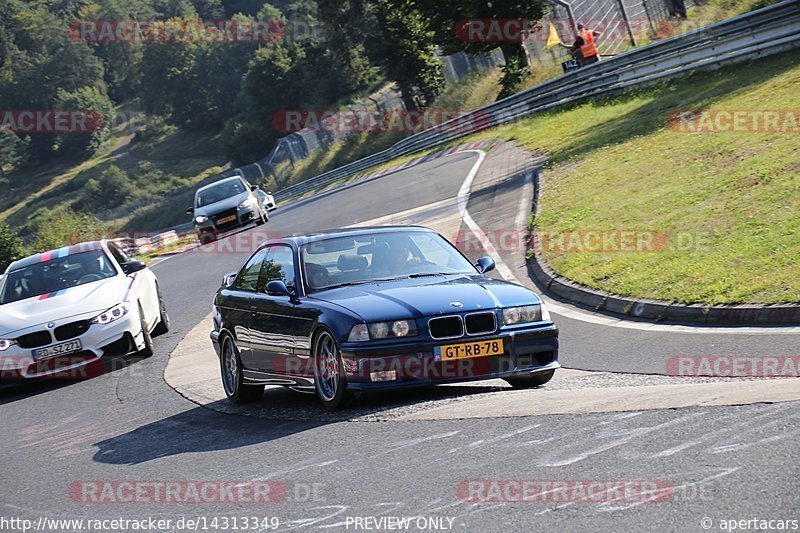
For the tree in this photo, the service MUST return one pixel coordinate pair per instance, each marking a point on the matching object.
(406, 52)
(38, 63)
(445, 16)
(11, 247)
(345, 29)
(13, 152)
(99, 113)
(168, 71)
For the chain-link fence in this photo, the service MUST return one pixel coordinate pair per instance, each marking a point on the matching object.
(624, 24)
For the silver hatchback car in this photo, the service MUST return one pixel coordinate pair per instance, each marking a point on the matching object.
(226, 204)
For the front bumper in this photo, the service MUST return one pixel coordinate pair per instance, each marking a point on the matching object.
(245, 216)
(527, 351)
(120, 337)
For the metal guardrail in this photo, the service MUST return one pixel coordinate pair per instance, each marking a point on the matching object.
(758, 33)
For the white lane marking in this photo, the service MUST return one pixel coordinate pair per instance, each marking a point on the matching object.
(294, 469)
(572, 312)
(554, 458)
(732, 424)
(667, 492)
(414, 442)
(494, 440)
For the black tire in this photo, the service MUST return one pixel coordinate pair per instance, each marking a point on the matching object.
(163, 322)
(330, 383)
(147, 351)
(230, 366)
(207, 238)
(533, 380)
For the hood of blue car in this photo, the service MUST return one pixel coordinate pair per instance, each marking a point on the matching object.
(414, 298)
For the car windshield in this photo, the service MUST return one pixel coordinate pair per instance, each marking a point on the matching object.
(220, 191)
(381, 256)
(56, 275)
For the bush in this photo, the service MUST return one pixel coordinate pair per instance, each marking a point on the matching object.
(63, 226)
(11, 247)
(154, 129)
(111, 189)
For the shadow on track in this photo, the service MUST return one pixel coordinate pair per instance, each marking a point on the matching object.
(199, 430)
(279, 403)
(196, 430)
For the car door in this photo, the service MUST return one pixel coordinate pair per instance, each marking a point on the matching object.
(239, 305)
(273, 324)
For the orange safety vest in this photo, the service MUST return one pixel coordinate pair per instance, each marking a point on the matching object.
(589, 47)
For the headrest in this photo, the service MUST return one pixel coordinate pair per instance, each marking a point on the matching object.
(351, 262)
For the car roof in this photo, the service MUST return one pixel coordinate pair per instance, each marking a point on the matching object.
(305, 238)
(232, 178)
(43, 257)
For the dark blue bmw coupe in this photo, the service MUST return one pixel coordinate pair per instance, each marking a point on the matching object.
(375, 308)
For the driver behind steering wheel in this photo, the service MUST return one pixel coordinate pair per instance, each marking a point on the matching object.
(90, 269)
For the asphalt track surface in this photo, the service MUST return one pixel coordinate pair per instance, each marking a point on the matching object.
(723, 463)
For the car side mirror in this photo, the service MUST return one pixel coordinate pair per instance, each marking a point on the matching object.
(277, 287)
(228, 279)
(190, 211)
(485, 264)
(134, 265)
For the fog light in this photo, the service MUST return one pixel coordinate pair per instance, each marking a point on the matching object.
(385, 375)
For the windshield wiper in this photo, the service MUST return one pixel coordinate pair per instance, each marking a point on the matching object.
(427, 274)
(356, 282)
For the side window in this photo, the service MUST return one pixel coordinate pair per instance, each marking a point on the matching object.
(118, 254)
(278, 265)
(247, 280)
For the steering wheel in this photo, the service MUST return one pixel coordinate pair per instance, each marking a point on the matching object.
(87, 278)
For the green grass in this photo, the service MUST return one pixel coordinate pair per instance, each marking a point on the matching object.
(728, 202)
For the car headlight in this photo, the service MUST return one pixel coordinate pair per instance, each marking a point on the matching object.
(382, 330)
(113, 314)
(545, 312)
(523, 314)
(200, 219)
(247, 204)
(5, 344)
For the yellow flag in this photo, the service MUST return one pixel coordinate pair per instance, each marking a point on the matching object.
(553, 38)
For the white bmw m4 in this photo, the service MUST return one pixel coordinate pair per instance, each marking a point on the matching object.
(64, 309)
